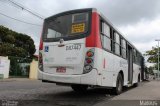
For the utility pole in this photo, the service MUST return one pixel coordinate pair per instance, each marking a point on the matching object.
(158, 58)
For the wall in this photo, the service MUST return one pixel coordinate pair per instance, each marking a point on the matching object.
(4, 66)
(33, 70)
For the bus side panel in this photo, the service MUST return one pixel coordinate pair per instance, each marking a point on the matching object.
(98, 64)
(109, 65)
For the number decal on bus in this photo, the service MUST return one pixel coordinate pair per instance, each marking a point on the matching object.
(73, 47)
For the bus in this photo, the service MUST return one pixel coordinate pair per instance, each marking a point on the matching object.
(81, 48)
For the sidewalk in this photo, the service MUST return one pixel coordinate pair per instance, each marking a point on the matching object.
(149, 91)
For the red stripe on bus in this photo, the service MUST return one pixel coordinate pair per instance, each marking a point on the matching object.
(93, 40)
(41, 41)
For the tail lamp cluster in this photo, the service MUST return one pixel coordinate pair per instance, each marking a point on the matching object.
(88, 66)
(40, 59)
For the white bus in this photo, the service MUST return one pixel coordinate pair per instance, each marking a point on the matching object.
(81, 48)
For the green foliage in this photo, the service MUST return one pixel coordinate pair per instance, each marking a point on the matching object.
(150, 70)
(9, 39)
(16, 44)
(153, 56)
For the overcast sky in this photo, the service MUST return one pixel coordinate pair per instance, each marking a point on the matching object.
(137, 20)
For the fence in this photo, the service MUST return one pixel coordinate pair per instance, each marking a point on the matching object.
(19, 67)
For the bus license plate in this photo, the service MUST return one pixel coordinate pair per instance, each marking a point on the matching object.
(61, 70)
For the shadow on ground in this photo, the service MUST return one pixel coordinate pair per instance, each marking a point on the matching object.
(71, 98)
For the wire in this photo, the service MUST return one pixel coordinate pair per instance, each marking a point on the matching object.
(18, 20)
(28, 10)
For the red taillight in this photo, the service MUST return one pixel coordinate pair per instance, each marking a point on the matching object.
(90, 53)
(41, 44)
(89, 60)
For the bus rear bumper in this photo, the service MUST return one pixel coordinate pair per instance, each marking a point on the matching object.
(86, 79)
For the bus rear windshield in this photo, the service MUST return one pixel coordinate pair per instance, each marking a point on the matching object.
(70, 25)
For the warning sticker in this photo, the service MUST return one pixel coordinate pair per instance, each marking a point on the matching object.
(78, 28)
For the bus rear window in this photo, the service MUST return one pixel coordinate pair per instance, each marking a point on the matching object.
(66, 25)
(82, 17)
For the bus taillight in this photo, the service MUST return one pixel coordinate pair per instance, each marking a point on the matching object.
(40, 64)
(40, 59)
(90, 54)
(89, 61)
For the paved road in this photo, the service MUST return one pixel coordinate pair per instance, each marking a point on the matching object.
(146, 94)
(33, 92)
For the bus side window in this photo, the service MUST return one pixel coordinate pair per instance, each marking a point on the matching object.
(134, 55)
(105, 36)
(106, 29)
(101, 25)
(111, 35)
(138, 58)
(117, 43)
(123, 45)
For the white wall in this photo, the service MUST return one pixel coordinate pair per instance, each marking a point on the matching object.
(4, 66)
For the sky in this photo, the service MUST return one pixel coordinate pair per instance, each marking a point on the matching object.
(137, 20)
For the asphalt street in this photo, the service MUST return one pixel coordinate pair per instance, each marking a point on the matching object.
(33, 92)
(26, 92)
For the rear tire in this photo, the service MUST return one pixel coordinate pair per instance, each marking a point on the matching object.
(119, 85)
(79, 88)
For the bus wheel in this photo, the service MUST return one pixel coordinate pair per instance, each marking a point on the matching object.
(79, 88)
(119, 85)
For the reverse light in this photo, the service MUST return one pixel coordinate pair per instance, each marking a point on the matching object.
(87, 68)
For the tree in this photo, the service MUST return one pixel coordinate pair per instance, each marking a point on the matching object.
(153, 56)
(16, 44)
